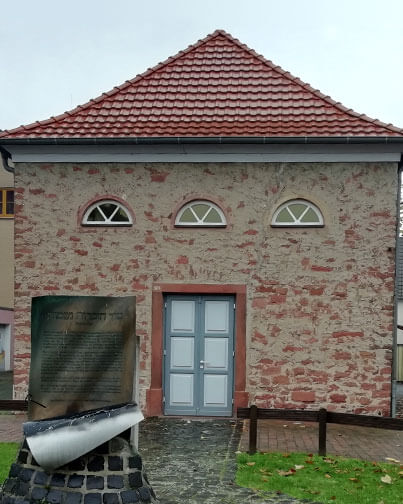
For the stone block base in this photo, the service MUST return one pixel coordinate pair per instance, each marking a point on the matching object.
(113, 473)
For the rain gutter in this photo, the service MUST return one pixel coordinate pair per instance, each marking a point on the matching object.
(202, 140)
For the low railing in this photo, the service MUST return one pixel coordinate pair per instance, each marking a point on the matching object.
(323, 417)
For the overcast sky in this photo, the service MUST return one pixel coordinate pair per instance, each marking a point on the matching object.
(57, 54)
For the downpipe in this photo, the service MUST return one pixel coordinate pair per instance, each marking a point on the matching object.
(5, 156)
(396, 325)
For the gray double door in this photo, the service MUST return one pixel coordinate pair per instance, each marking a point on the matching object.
(198, 355)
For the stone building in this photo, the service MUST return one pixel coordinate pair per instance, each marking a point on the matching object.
(253, 217)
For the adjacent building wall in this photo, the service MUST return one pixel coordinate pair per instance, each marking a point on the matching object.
(6, 248)
(6, 279)
(319, 310)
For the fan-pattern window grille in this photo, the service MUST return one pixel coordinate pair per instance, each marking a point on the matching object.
(200, 213)
(107, 213)
(297, 213)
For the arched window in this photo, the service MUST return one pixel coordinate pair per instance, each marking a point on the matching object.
(297, 213)
(200, 213)
(107, 213)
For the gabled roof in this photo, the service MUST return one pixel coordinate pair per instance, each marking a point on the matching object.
(216, 87)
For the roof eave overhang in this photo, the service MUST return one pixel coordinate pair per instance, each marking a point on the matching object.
(216, 140)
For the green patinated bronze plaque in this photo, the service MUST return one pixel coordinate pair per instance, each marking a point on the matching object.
(83, 354)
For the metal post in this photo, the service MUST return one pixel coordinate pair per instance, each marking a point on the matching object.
(322, 431)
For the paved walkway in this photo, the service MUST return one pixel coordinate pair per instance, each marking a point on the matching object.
(364, 443)
(11, 427)
(273, 435)
(187, 461)
(193, 461)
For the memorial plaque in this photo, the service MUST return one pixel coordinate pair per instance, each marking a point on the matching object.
(83, 354)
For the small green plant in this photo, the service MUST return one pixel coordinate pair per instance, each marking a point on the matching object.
(322, 479)
(8, 453)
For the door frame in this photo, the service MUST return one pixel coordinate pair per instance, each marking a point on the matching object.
(155, 392)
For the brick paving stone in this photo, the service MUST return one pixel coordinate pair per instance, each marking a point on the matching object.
(11, 427)
(365, 443)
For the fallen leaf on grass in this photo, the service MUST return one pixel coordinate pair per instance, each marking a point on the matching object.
(386, 479)
(265, 472)
(329, 461)
(354, 479)
(390, 459)
(297, 467)
(250, 463)
(290, 472)
(327, 476)
(264, 479)
(308, 461)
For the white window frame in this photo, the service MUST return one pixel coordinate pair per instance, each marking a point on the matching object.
(297, 222)
(200, 222)
(108, 220)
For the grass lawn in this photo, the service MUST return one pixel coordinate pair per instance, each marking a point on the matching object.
(322, 479)
(8, 452)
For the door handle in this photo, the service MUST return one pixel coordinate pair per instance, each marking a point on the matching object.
(202, 363)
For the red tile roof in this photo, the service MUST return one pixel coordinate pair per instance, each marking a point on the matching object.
(217, 87)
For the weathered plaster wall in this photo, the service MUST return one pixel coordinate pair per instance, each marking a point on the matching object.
(6, 248)
(320, 301)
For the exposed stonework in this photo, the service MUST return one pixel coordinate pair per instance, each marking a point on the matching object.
(320, 300)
